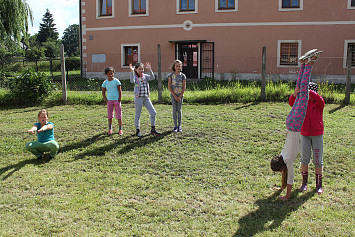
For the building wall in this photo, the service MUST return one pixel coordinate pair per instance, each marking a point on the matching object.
(238, 35)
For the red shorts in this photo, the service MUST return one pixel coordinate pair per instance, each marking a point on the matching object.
(114, 104)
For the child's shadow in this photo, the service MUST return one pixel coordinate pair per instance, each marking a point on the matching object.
(271, 213)
(83, 143)
(128, 142)
(16, 167)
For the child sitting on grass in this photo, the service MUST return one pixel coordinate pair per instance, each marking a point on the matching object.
(45, 136)
(284, 162)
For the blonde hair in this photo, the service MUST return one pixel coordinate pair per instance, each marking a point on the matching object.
(175, 62)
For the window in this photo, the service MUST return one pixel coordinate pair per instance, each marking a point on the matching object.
(349, 44)
(288, 52)
(226, 4)
(98, 58)
(130, 54)
(105, 8)
(351, 4)
(290, 5)
(139, 7)
(186, 6)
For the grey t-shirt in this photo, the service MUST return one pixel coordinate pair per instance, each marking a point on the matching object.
(177, 82)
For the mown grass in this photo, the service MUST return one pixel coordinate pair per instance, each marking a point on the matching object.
(213, 179)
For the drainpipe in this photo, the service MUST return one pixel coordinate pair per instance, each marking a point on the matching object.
(80, 41)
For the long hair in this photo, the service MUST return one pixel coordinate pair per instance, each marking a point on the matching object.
(136, 66)
(173, 65)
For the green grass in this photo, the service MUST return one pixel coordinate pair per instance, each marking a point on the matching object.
(213, 179)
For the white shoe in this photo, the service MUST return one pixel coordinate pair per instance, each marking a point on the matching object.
(307, 57)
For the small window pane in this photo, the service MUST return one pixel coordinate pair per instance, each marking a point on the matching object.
(353, 3)
(289, 54)
(290, 3)
(187, 5)
(105, 7)
(131, 55)
(352, 48)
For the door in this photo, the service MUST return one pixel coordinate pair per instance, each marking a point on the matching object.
(188, 54)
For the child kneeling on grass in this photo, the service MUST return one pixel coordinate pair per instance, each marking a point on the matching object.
(45, 136)
(294, 121)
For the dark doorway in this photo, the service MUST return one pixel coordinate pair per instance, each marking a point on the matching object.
(188, 54)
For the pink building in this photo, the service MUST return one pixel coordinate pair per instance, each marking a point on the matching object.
(217, 38)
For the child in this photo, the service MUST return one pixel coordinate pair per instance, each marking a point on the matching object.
(45, 136)
(294, 121)
(177, 86)
(141, 92)
(113, 100)
(312, 132)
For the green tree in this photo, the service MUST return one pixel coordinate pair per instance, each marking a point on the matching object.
(47, 30)
(14, 16)
(70, 40)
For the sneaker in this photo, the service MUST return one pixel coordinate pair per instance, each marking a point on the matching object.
(139, 134)
(308, 57)
(303, 188)
(175, 129)
(155, 132)
(319, 189)
(120, 132)
(179, 129)
(109, 132)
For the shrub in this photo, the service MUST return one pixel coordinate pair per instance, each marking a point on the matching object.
(30, 88)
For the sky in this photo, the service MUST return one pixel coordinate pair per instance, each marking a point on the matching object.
(65, 13)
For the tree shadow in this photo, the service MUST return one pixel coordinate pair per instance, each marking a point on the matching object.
(337, 108)
(16, 167)
(271, 213)
(246, 106)
(129, 143)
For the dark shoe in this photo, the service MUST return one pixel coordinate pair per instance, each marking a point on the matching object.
(138, 133)
(319, 187)
(40, 157)
(155, 132)
(304, 181)
(50, 157)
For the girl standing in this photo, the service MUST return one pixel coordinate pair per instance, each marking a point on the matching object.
(141, 92)
(177, 86)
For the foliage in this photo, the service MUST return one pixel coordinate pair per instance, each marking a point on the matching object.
(47, 30)
(51, 49)
(14, 15)
(34, 53)
(70, 40)
(30, 88)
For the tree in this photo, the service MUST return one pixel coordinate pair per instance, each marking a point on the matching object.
(14, 16)
(47, 30)
(70, 40)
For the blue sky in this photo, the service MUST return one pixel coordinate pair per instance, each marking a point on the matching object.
(65, 13)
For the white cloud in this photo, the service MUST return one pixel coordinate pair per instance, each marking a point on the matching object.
(65, 13)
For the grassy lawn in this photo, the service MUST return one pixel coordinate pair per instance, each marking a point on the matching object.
(213, 179)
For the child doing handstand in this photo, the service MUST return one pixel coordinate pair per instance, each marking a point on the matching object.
(294, 121)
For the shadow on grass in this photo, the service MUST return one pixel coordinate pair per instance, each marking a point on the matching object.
(83, 143)
(246, 106)
(337, 108)
(271, 213)
(129, 143)
(16, 167)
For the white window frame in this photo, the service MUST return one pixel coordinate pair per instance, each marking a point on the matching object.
(290, 9)
(279, 42)
(136, 15)
(349, 5)
(346, 43)
(123, 53)
(98, 10)
(185, 12)
(226, 10)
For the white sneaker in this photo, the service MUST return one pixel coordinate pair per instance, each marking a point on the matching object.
(307, 57)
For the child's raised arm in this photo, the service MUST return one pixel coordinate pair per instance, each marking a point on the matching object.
(151, 75)
(45, 127)
(131, 76)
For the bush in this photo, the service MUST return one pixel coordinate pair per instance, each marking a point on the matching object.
(30, 88)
